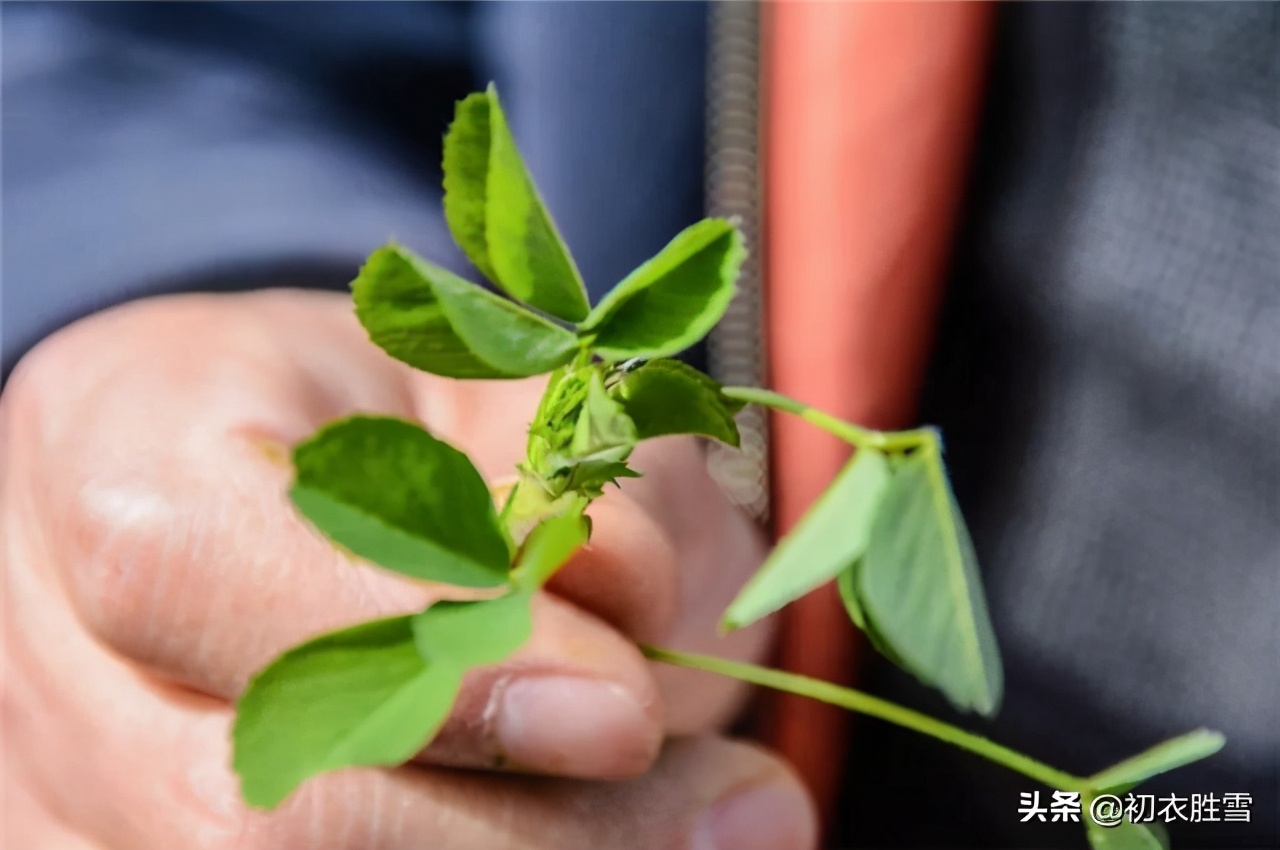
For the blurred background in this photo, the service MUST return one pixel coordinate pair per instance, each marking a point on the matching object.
(1103, 354)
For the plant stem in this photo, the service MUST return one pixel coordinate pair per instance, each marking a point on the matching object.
(583, 357)
(874, 707)
(885, 441)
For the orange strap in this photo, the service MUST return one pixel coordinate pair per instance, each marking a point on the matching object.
(871, 109)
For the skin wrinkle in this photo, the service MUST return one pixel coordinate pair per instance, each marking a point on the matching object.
(161, 577)
(375, 808)
(103, 543)
(203, 650)
(204, 798)
(81, 749)
(177, 544)
(127, 564)
(347, 821)
(397, 831)
(292, 564)
(314, 815)
(27, 818)
(121, 525)
(21, 718)
(41, 705)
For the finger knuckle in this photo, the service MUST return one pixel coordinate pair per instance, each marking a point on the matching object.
(118, 539)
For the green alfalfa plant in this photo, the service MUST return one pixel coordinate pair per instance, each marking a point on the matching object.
(887, 529)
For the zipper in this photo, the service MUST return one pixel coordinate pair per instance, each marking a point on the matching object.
(735, 348)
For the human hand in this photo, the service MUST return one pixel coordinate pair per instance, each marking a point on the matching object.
(153, 564)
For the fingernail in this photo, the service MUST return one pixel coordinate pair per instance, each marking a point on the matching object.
(575, 727)
(766, 817)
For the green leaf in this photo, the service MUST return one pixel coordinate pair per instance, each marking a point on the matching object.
(496, 215)
(603, 427)
(549, 546)
(434, 320)
(525, 248)
(466, 176)
(531, 502)
(360, 696)
(579, 441)
(473, 634)
(1161, 758)
(373, 694)
(603, 438)
(670, 397)
(672, 300)
(846, 582)
(919, 587)
(830, 537)
(1124, 836)
(588, 477)
(393, 494)
(553, 424)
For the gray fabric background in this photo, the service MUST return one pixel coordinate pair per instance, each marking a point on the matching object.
(1108, 382)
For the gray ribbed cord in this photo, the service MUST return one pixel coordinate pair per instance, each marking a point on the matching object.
(736, 348)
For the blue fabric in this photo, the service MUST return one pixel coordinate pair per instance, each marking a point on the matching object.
(158, 147)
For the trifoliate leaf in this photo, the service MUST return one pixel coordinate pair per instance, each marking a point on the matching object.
(393, 494)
